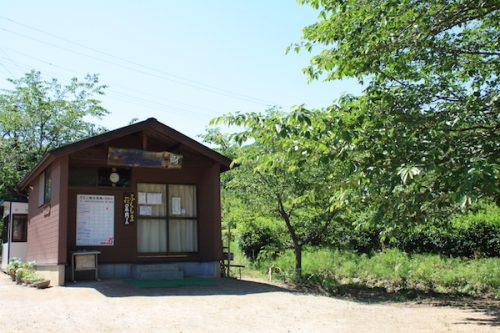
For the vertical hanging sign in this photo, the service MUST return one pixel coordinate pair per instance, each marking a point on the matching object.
(128, 208)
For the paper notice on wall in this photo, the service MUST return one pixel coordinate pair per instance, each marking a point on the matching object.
(145, 210)
(176, 206)
(95, 219)
(154, 198)
(141, 198)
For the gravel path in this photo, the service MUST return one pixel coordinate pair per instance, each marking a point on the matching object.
(231, 306)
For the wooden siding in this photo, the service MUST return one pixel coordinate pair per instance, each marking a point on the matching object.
(210, 242)
(43, 225)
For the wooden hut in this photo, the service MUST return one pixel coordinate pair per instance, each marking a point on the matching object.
(145, 196)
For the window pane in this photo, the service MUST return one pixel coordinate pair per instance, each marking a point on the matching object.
(41, 189)
(151, 235)
(183, 236)
(83, 176)
(19, 228)
(48, 187)
(152, 199)
(182, 200)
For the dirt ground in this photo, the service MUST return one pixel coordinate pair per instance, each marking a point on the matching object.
(230, 306)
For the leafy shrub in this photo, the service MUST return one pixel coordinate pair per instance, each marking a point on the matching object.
(18, 269)
(259, 235)
(33, 277)
(476, 234)
(21, 273)
(16, 263)
(13, 265)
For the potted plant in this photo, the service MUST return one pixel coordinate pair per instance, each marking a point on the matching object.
(35, 279)
(21, 273)
(12, 267)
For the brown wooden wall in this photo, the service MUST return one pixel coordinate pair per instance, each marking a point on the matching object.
(43, 223)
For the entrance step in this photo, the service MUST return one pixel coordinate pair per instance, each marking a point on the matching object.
(157, 272)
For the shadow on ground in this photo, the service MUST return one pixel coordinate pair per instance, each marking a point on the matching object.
(362, 294)
(123, 288)
(353, 292)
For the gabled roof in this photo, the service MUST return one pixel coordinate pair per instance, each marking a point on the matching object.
(150, 124)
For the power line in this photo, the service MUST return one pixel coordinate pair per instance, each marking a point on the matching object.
(7, 70)
(114, 84)
(176, 78)
(7, 55)
(129, 98)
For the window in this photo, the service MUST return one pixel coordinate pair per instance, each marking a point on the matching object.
(19, 228)
(152, 222)
(98, 177)
(167, 218)
(45, 188)
(83, 176)
(182, 226)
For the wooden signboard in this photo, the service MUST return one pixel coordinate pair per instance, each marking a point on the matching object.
(143, 158)
(85, 261)
(129, 204)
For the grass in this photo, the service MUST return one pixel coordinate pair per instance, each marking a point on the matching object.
(393, 270)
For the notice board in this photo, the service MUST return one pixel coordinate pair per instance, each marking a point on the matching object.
(95, 219)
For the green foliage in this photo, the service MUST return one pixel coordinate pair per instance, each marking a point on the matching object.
(38, 115)
(21, 273)
(13, 266)
(260, 239)
(18, 269)
(33, 277)
(485, 213)
(281, 176)
(393, 270)
(390, 167)
(16, 263)
(424, 136)
(475, 234)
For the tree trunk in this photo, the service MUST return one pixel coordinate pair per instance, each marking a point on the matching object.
(297, 246)
(298, 260)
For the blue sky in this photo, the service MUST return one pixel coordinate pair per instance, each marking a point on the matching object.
(182, 62)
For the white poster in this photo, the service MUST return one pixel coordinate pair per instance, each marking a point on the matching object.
(141, 198)
(95, 219)
(145, 210)
(176, 206)
(154, 198)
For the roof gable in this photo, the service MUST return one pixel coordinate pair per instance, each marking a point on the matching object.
(151, 125)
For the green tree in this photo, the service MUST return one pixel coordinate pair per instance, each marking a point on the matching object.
(424, 135)
(277, 173)
(38, 115)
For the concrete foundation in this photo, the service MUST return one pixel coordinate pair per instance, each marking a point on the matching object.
(209, 269)
(54, 273)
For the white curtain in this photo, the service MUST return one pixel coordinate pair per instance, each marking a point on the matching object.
(182, 236)
(187, 195)
(152, 233)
